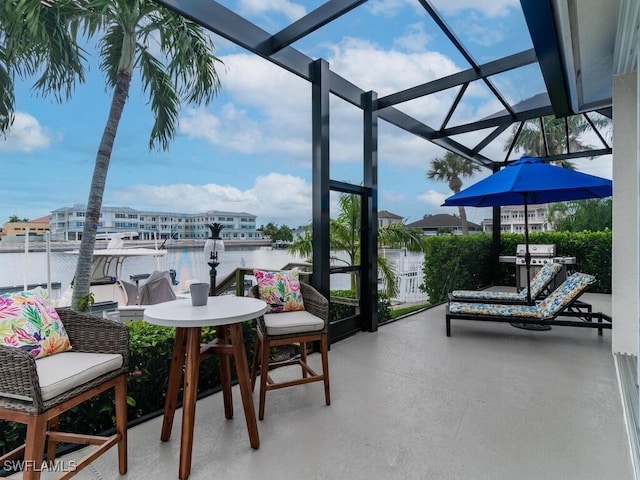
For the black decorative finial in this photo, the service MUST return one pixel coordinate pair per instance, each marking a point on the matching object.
(215, 230)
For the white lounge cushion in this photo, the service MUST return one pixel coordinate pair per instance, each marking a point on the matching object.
(285, 323)
(61, 372)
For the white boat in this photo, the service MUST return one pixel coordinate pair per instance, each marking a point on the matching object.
(108, 285)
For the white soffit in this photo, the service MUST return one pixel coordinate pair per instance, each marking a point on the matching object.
(587, 31)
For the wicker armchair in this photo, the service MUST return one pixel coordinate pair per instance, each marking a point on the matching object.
(287, 328)
(36, 392)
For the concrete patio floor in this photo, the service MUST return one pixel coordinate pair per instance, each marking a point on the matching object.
(491, 402)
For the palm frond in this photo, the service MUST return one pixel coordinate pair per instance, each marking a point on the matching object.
(163, 98)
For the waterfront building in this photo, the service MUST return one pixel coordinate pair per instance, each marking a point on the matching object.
(386, 218)
(16, 231)
(512, 219)
(442, 222)
(67, 223)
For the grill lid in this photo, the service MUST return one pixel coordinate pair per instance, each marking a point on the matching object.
(537, 250)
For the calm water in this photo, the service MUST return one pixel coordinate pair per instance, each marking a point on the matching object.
(189, 263)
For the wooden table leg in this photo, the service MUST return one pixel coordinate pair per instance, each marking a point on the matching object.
(240, 359)
(225, 371)
(189, 402)
(175, 375)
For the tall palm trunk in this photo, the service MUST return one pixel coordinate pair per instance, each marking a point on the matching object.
(98, 182)
(463, 220)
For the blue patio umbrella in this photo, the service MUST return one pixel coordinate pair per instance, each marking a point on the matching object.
(529, 181)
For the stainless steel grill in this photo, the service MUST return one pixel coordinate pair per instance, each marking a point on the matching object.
(540, 254)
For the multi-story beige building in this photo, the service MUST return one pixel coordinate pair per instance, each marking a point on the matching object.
(67, 223)
(512, 219)
(18, 230)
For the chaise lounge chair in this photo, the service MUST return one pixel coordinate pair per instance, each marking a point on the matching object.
(539, 285)
(546, 312)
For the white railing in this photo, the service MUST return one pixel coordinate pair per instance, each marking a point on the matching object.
(408, 268)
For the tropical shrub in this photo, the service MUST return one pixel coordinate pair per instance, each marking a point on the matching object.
(464, 261)
(339, 311)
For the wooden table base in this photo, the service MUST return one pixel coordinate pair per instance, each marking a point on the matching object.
(188, 352)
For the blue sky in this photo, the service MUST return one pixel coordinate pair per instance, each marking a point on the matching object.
(249, 150)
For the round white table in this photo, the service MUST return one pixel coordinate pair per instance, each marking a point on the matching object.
(227, 313)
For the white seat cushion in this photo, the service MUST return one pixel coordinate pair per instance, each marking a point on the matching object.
(286, 323)
(61, 372)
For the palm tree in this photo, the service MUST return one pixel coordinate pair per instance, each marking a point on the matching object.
(43, 45)
(451, 168)
(345, 238)
(173, 56)
(560, 137)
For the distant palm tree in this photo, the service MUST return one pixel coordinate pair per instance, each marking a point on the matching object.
(531, 141)
(449, 169)
(344, 237)
(173, 56)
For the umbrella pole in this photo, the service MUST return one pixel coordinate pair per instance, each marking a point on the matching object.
(527, 261)
(527, 254)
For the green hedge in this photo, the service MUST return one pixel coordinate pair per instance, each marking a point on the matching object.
(464, 262)
(338, 311)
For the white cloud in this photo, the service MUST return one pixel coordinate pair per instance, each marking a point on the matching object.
(599, 166)
(386, 71)
(415, 40)
(291, 10)
(386, 8)
(432, 198)
(268, 109)
(26, 135)
(278, 198)
(496, 8)
(392, 197)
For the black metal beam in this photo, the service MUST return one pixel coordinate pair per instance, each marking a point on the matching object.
(490, 138)
(320, 112)
(222, 21)
(454, 106)
(501, 65)
(540, 20)
(324, 14)
(504, 119)
(435, 15)
(369, 221)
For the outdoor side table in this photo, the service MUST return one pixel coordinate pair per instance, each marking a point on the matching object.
(226, 313)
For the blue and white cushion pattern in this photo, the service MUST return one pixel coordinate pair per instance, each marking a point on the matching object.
(495, 310)
(544, 276)
(570, 289)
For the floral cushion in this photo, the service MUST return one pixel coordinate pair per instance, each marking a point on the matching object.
(28, 323)
(281, 290)
(538, 283)
(495, 310)
(490, 295)
(543, 278)
(570, 289)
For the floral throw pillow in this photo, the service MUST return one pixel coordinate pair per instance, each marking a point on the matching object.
(28, 323)
(281, 290)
